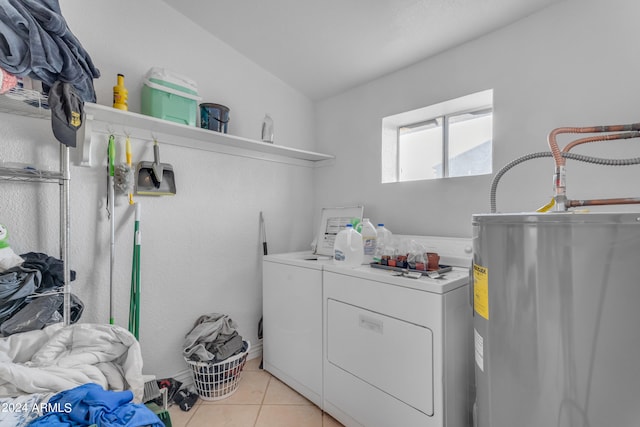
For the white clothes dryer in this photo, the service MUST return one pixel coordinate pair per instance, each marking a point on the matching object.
(398, 350)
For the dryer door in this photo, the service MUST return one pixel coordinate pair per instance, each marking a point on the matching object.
(390, 354)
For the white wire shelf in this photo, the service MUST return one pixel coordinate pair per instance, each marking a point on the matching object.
(25, 102)
(29, 174)
(28, 103)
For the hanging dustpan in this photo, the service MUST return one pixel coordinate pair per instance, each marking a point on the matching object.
(155, 178)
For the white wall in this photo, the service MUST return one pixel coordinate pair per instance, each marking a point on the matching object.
(201, 249)
(572, 64)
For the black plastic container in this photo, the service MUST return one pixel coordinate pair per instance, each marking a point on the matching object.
(214, 117)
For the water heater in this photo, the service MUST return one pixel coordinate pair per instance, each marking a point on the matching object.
(557, 319)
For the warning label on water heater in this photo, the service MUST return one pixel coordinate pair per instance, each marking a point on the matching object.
(481, 290)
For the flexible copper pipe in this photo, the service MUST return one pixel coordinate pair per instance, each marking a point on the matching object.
(553, 143)
(597, 138)
(602, 202)
(560, 197)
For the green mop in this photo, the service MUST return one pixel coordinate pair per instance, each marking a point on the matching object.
(151, 390)
(134, 304)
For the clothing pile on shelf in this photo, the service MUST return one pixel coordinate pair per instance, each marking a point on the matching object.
(30, 294)
(7, 81)
(39, 44)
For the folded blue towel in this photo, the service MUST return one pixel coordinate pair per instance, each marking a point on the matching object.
(35, 41)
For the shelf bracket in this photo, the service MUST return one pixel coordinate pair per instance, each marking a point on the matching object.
(83, 141)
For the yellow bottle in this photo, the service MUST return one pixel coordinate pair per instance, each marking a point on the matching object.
(120, 94)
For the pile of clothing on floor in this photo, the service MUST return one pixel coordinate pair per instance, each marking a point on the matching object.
(88, 405)
(59, 357)
(213, 338)
(78, 375)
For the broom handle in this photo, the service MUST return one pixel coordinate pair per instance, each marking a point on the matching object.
(111, 153)
(264, 235)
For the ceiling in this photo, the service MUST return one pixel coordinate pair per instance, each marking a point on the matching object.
(323, 47)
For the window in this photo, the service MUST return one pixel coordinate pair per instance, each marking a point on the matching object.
(450, 139)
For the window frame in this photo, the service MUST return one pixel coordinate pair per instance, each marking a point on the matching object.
(391, 126)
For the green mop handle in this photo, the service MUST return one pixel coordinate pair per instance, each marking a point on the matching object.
(134, 303)
(112, 155)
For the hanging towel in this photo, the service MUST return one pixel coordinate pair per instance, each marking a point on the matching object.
(35, 41)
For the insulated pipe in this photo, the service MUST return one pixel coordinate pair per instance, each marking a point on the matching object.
(505, 168)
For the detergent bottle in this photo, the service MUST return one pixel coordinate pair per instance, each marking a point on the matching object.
(347, 248)
(369, 240)
(120, 94)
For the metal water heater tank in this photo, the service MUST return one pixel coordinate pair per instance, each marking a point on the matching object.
(557, 319)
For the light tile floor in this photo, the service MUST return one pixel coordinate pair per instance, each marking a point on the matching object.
(261, 400)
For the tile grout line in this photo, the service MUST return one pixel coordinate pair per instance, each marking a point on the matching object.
(195, 409)
(262, 401)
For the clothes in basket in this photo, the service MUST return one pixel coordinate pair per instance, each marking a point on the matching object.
(213, 338)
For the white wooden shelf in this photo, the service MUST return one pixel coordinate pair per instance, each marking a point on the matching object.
(102, 119)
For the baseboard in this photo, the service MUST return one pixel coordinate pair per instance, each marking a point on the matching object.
(186, 378)
(255, 351)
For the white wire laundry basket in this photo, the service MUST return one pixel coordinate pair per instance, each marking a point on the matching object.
(215, 381)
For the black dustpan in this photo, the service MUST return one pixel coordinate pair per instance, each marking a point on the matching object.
(155, 178)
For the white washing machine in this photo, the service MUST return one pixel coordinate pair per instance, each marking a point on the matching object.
(398, 350)
(292, 320)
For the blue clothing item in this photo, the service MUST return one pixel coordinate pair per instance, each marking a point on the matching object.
(35, 41)
(21, 410)
(90, 404)
(54, 419)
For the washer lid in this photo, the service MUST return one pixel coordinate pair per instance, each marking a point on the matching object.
(306, 259)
